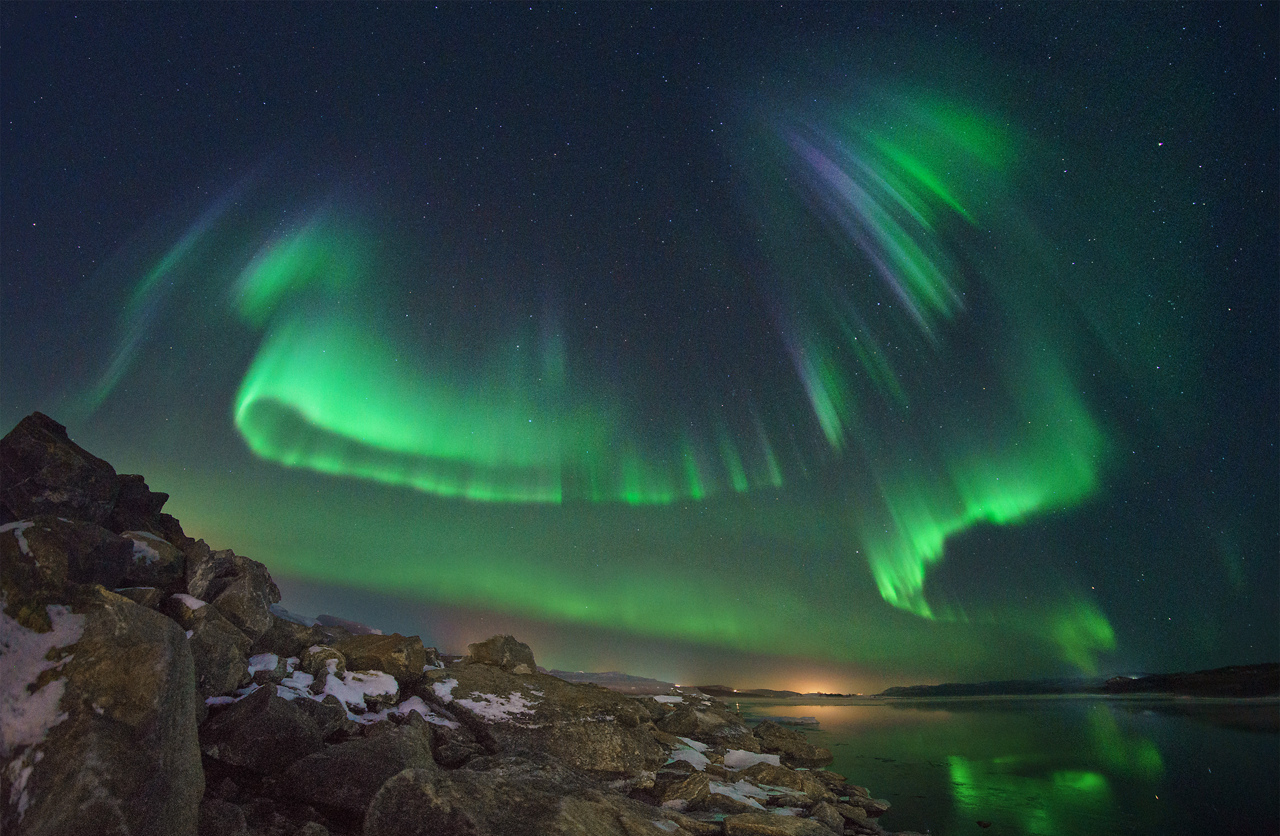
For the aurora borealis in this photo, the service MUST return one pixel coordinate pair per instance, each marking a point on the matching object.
(821, 346)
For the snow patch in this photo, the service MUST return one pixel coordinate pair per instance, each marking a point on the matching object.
(27, 714)
(499, 709)
(695, 745)
(742, 791)
(143, 552)
(17, 528)
(741, 759)
(193, 603)
(444, 690)
(667, 698)
(19, 772)
(411, 704)
(666, 825)
(694, 758)
(263, 662)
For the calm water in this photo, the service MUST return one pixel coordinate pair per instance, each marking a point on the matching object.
(1057, 766)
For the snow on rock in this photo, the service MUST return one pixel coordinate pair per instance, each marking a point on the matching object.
(495, 709)
(695, 745)
(691, 756)
(444, 690)
(143, 552)
(411, 704)
(668, 698)
(666, 825)
(263, 662)
(17, 528)
(742, 791)
(191, 601)
(25, 716)
(354, 686)
(741, 759)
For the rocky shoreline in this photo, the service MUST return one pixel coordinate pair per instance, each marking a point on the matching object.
(154, 685)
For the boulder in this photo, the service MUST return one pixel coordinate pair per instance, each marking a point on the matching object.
(154, 562)
(510, 797)
(47, 553)
(315, 661)
(329, 714)
(288, 634)
(146, 596)
(710, 723)
(347, 776)
(791, 745)
(241, 588)
(780, 776)
(586, 726)
(873, 807)
(263, 733)
(218, 649)
(120, 753)
(137, 507)
(689, 788)
(827, 814)
(42, 471)
(504, 652)
(767, 824)
(402, 657)
(221, 818)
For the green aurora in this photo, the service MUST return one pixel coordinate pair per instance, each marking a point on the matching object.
(525, 415)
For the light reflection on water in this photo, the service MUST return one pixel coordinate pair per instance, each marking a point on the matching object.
(1052, 766)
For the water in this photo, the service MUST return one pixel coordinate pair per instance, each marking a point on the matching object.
(1057, 766)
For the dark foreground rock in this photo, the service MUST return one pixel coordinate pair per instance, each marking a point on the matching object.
(191, 703)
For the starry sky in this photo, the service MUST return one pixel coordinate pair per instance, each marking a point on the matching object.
(824, 347)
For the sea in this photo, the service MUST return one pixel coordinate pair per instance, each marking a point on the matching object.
(1054, 766)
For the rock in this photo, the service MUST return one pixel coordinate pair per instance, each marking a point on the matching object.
(218, 649)
(221, 818)
(241, 588)
(137, 507)
(851, 813)
(874, 807)
(711, 723)
(346, 776)
(689, 789)
(263, 733)
(155, 562)
(288, 635)
(315, 661)
(41, 556)
(44, 472)
(791, 745)
(146, 596)
(827, 814)
(588, 727)
(402, 657)
(246, 601)
(329, 714)
(503, 652)
(767, 824)
(124, 757)
(781, 776)
(512, 797)
(420, 802)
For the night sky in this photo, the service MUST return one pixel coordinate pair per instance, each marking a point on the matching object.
(810, 346)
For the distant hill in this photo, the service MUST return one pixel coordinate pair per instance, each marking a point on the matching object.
(1232, 681)
(621, 682)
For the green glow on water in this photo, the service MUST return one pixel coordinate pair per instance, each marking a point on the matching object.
(1082, 781)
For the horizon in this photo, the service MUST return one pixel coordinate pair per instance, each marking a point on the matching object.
(822, 347)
